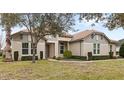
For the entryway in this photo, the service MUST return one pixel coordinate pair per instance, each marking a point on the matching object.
(50, 50)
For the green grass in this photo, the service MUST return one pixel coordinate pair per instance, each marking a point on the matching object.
(44, 70)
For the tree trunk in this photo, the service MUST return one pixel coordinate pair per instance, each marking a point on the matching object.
(45, 50)
(8, 55)
(33, 57)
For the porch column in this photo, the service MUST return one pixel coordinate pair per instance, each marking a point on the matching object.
(68, 47)
(57, 49)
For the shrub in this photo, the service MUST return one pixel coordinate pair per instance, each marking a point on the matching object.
(58, 58)
(67, 54)
(54, 57)
(79, 57)
(100, 57)
(117, 52)
(121, 51)
(4, 56)
(25, 58)
(111, 54)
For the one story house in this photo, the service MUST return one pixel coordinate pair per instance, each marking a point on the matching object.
(79, 44)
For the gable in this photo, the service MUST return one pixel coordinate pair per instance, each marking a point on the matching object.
(96, 38)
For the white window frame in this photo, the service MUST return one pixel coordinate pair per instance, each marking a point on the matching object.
(62, 45)
(96, 48)
(25, 48)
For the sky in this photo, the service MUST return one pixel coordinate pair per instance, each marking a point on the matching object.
(115, 34)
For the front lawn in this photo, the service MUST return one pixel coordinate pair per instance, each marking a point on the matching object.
(44, 70)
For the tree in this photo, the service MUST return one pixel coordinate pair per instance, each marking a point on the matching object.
(0, 46)
(39, 25)
(121, 51)
(0, 42)
(8, 20)
(115, 20)
(110, 20)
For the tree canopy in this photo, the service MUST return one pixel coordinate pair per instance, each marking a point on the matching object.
(40, 25)
(110, 20)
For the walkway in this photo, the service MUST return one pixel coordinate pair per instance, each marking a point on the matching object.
(84, 61)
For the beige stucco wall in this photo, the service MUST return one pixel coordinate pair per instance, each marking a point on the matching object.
(41, 47)
(51, 50)
(113, 49)
(88, 39)
(75, 48)
(87, 46)
(17, 46)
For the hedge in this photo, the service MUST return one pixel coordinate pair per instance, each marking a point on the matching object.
(121, 51)
(100, 57)
(25, 58)
(79, 57)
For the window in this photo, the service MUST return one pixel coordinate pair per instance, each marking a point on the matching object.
(61, 48)
(96, 48)
(32, 49)
(25, 48)
(97, 37)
